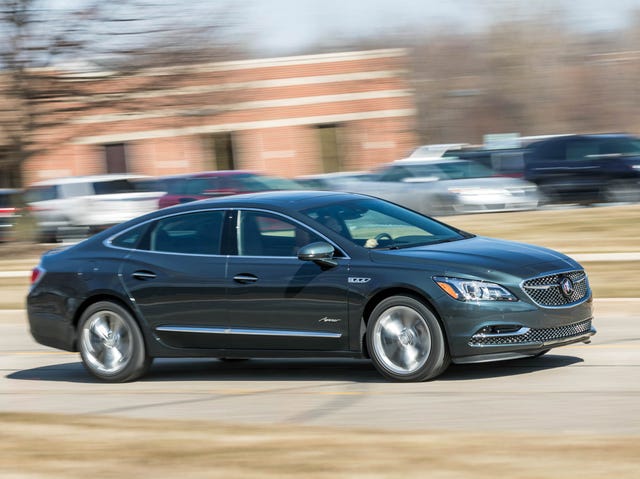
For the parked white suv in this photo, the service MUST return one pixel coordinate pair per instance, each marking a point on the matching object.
(72, 207)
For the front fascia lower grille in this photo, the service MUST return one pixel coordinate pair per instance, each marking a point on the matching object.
(547, 291)
(534, 336)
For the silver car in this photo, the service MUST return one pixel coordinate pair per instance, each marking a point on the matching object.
(447, 186)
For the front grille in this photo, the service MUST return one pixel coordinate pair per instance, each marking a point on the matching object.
(542, 335)
(547, 290)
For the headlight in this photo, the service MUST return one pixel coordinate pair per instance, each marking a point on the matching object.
(469, 290)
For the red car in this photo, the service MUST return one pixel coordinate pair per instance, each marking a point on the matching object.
(208, 184)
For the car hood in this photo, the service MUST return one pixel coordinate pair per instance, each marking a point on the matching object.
(480, 257)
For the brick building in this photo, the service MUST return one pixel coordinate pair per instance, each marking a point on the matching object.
(284, 116)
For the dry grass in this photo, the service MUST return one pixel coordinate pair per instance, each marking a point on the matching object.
(606, 229)
(614, 280)
(54, 446)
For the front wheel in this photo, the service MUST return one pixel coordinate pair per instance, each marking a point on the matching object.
(111, 344)
(405, 340)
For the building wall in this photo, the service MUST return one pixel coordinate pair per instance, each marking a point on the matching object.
(275, 110)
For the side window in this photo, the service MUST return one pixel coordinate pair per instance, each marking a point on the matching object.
(189, 233)
(581, 150)
(394, 174)
(550, 150)
(41, 193)
(263, 234)
(131, 239)
(72, 190)
(199, 186)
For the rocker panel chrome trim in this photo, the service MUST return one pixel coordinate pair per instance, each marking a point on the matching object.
(248, 332)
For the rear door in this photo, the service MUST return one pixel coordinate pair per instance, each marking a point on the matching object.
(176, 276)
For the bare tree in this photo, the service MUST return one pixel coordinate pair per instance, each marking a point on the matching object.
(55, 64)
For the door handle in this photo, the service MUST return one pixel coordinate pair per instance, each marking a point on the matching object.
(245, 278)
(143, 275)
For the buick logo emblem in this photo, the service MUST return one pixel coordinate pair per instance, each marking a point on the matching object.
(566, 286)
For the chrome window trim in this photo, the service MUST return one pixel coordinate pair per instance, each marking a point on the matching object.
(248, 332)
(108, 242)
(277, 213)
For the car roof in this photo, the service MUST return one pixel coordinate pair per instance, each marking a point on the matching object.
(207, 174)
(290, 199)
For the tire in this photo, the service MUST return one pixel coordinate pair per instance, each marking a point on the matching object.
(111, 344)
(405, 340)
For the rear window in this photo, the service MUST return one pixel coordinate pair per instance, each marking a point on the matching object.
(9, 200)
(41, 193)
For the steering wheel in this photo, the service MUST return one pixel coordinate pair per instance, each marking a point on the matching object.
(383, 236)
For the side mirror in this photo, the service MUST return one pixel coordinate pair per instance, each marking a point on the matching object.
(320, 253)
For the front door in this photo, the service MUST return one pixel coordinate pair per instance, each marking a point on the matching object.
(277, 301)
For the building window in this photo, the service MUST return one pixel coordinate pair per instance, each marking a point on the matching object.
(330, 148)
(219, 148)
(115, 158)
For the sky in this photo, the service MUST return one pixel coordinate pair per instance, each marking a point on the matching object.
(276, 26)
(279, 27)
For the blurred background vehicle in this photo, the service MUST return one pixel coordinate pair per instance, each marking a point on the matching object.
(596, 168)
(71, 207)
(586, 168)
(436, 150)
(10, 212)
(207, 184)
(333, 181)
(447, 186)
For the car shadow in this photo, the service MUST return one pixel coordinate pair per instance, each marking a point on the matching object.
(349, 370)
(512, 367)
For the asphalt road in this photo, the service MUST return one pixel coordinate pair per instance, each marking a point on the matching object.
(576, 389)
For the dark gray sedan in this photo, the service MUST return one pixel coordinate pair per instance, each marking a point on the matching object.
(304, 274)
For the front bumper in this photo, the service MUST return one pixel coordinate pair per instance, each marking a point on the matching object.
(526, 342)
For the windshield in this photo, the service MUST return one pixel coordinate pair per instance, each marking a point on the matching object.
(376, 224)
(624, 146)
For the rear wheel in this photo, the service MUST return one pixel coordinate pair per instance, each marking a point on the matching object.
(405, 340)
(111, 343)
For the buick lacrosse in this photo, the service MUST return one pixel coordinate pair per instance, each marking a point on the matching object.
(304, 274)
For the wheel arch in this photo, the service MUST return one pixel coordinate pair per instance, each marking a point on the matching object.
(110, 297)
(397, 291)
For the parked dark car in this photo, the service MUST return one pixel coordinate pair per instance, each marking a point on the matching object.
(571, 168)
(298, 274)
(10, 212)
(209, 184)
